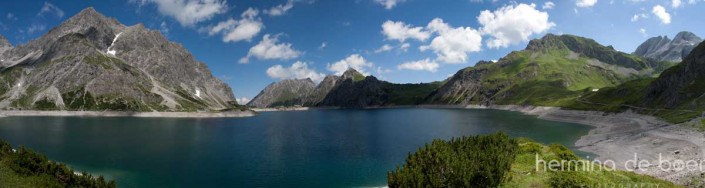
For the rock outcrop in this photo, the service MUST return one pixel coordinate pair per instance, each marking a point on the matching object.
(682, 86)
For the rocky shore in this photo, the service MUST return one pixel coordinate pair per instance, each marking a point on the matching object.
(628, 138)
(247, 113)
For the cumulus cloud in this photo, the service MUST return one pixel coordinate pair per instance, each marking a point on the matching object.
(661, 13)
(420, 65)
(548, 5)
(384, 48)
(242, 100)
(298, 70)
(452, 45)
(675, 3)
(323, 45)
(355, 61)
(52, 9)
(389, 4)
(513, 24)
(269, 49)
(189, 12)
(238, 30)
(401, 31)
(280, 9)
(585, 3)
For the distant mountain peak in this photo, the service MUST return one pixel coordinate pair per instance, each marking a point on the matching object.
(661, 48)
(686, 36)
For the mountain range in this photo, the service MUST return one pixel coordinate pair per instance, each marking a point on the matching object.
(555, 70)
(92, 62)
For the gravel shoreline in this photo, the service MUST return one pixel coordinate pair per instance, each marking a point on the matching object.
(618, 137)
(247, 113)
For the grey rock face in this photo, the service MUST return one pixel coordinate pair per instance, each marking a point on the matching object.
(91, 62)
(320, 92)
(682, 85)
(284, 93)
(462, 88)
(4, 46)
(662, 48)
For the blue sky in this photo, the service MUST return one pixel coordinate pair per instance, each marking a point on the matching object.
(250, 44)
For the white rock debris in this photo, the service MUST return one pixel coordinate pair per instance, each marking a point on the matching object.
(112, 52)
(198, 93)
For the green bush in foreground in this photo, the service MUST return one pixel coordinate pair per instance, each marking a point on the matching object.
(496, 160)
(477, 161)
(28, 168)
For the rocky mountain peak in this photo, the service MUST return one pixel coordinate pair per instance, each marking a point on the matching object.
(352, 74)
(548, 41)
(288, 92)
(662, 48)
(687, 37)
(93, 62)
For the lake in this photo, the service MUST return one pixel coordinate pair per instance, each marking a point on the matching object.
(316, 148)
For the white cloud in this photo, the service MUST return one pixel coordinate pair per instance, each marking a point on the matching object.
(242, 100)
(585, 3)
(51, 8)
(189, 12)
(298, 70)
(269, 49)
(238, 30)
(636, 17)
(643, 32)
(420, 65)
(354, 61)
(452, 45)
(280, 9)
(384, 48)
(548, 5)
(404, 46)
(675, 3)
(661, 13)
(513, 24)
(401, 31)
(389, 4)
(323, 45)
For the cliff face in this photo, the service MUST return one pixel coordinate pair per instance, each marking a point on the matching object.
(682, 86)
(91, 62)
(284, 93)
(662, 48)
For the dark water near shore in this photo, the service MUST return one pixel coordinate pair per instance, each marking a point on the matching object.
(317, 148)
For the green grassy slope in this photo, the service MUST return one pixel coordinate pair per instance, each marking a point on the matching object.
(551, 71)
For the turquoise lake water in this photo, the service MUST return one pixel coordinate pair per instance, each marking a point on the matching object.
(316, 148)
